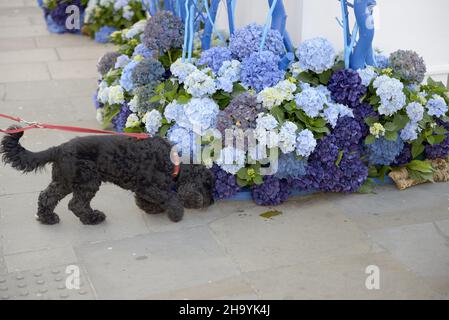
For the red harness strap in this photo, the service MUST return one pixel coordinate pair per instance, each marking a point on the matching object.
(36, 125)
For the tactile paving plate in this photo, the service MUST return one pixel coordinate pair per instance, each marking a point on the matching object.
(42, 284)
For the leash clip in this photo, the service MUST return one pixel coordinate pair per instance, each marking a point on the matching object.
(32, 123)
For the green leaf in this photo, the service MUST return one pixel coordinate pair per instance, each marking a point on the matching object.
(258, 180)
(370, 121)
(270, 214)
(391, 135)
(155, 98)
(325, 76)
(243, 174)
(308, 78)
(390, 126)
(417, 149)
(400, 121)
(370, 139)
(242, 183)
(420, 166)
(278, 113)
(367, 187)
(340, 157)
(183, 99)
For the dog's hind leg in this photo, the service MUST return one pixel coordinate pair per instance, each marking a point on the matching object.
(48, 200)
(85, 186)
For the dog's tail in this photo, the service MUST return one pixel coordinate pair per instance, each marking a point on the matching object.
(20, 158)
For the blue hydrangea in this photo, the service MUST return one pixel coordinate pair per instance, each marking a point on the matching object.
(261, 70)
(141, 50)
(391, 94)
(247, 40)
(174, 112)
(231, 160)
(384, 152)
(153, 121)
(102, 35)
(182, 69)
(383, 62)
(317, 55)
(214, 58)
(287, 137)
(185, 140)
(367, 75)
(291, 167)
(305, 143)
(53, 26)
(336, 111)
(199, 84)
(122, 61)
(228, 74)
(312, 100)
(437, 106)
(202, 114)
(415, 111)
(147, 71)
(126, 78)
(410, 132)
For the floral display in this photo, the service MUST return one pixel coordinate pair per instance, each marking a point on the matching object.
(103, 17)
(268, 121)
(58, 15)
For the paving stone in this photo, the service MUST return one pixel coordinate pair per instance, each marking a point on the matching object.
(65, 40)
(15, 21)
(3, 268)
(423, 248)
(305, 230)
(20, 11)
(390, 207)
(73, 69)
(23, 72)
(2, 91)
(84, 53)
(23, 31)
(235, 288)
(122, 221)
(11, 4)
(26, 56)
(40, 259)
(44, 284)
(340, 277)
(16, 44)
(50, 89)
(146, 265)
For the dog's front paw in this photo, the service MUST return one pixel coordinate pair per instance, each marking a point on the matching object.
(96, 217)
(176, 214)
(48, 219)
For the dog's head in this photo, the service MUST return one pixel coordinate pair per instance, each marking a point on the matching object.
(195, 185)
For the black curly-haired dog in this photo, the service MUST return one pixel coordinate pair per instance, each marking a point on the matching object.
(141, 166)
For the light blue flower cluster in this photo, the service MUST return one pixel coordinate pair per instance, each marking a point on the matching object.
(415, 111)
(141, 50)
(153, 121)
(317, 55)
(287, 137)
(383, 62)
(367, 75)
(335, 111)
(126, 79)
(181, 69)
(312, 99)
(228, 74)
(261, 70)
(291, 167)
(247, 40)
(198, 114)
(185, 140)
(102, 35)
(436, 106)
(122, 61)
(391, 94)
(214, 58)
(231, 160)
(199, 84)
(410, 132)
(383, 152)
(305, 143)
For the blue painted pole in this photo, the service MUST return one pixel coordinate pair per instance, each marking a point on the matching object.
(280, 23)
(363, 50)
(168, 5)
(210, 24)
(267, 25)
(191, 32)
(186, 30)
(231, 6)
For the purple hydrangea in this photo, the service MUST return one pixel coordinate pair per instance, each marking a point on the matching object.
(164, 31)
(290, 167)
(102, 35)
(225, 184)
(119, 121)
(261, 70)
(272, 192)
(409, 65)
(246, 41)
(107, 62)
(361, 112)
(147, 71)
(214, 58)
(439, 150)
(58, 14)
(241, 112)
(384, 152)
(404, 157)
(346, 87)
(142, 50)
(53, 26)
(348, 133)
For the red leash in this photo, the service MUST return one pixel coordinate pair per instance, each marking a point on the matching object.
(36, 125)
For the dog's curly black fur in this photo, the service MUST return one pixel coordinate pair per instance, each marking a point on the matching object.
(141, 166)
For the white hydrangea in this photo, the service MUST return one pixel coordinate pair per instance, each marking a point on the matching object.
(231, 160)
(136, 29)
(181, 69)
(199, 84)
(153, 121)
(103, 92)
(274, 96)
(287, 137)
(133, 121)
(116, 95)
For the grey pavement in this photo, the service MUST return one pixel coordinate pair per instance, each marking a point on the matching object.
(318, 248)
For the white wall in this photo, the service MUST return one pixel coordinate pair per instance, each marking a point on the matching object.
(419, 25)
